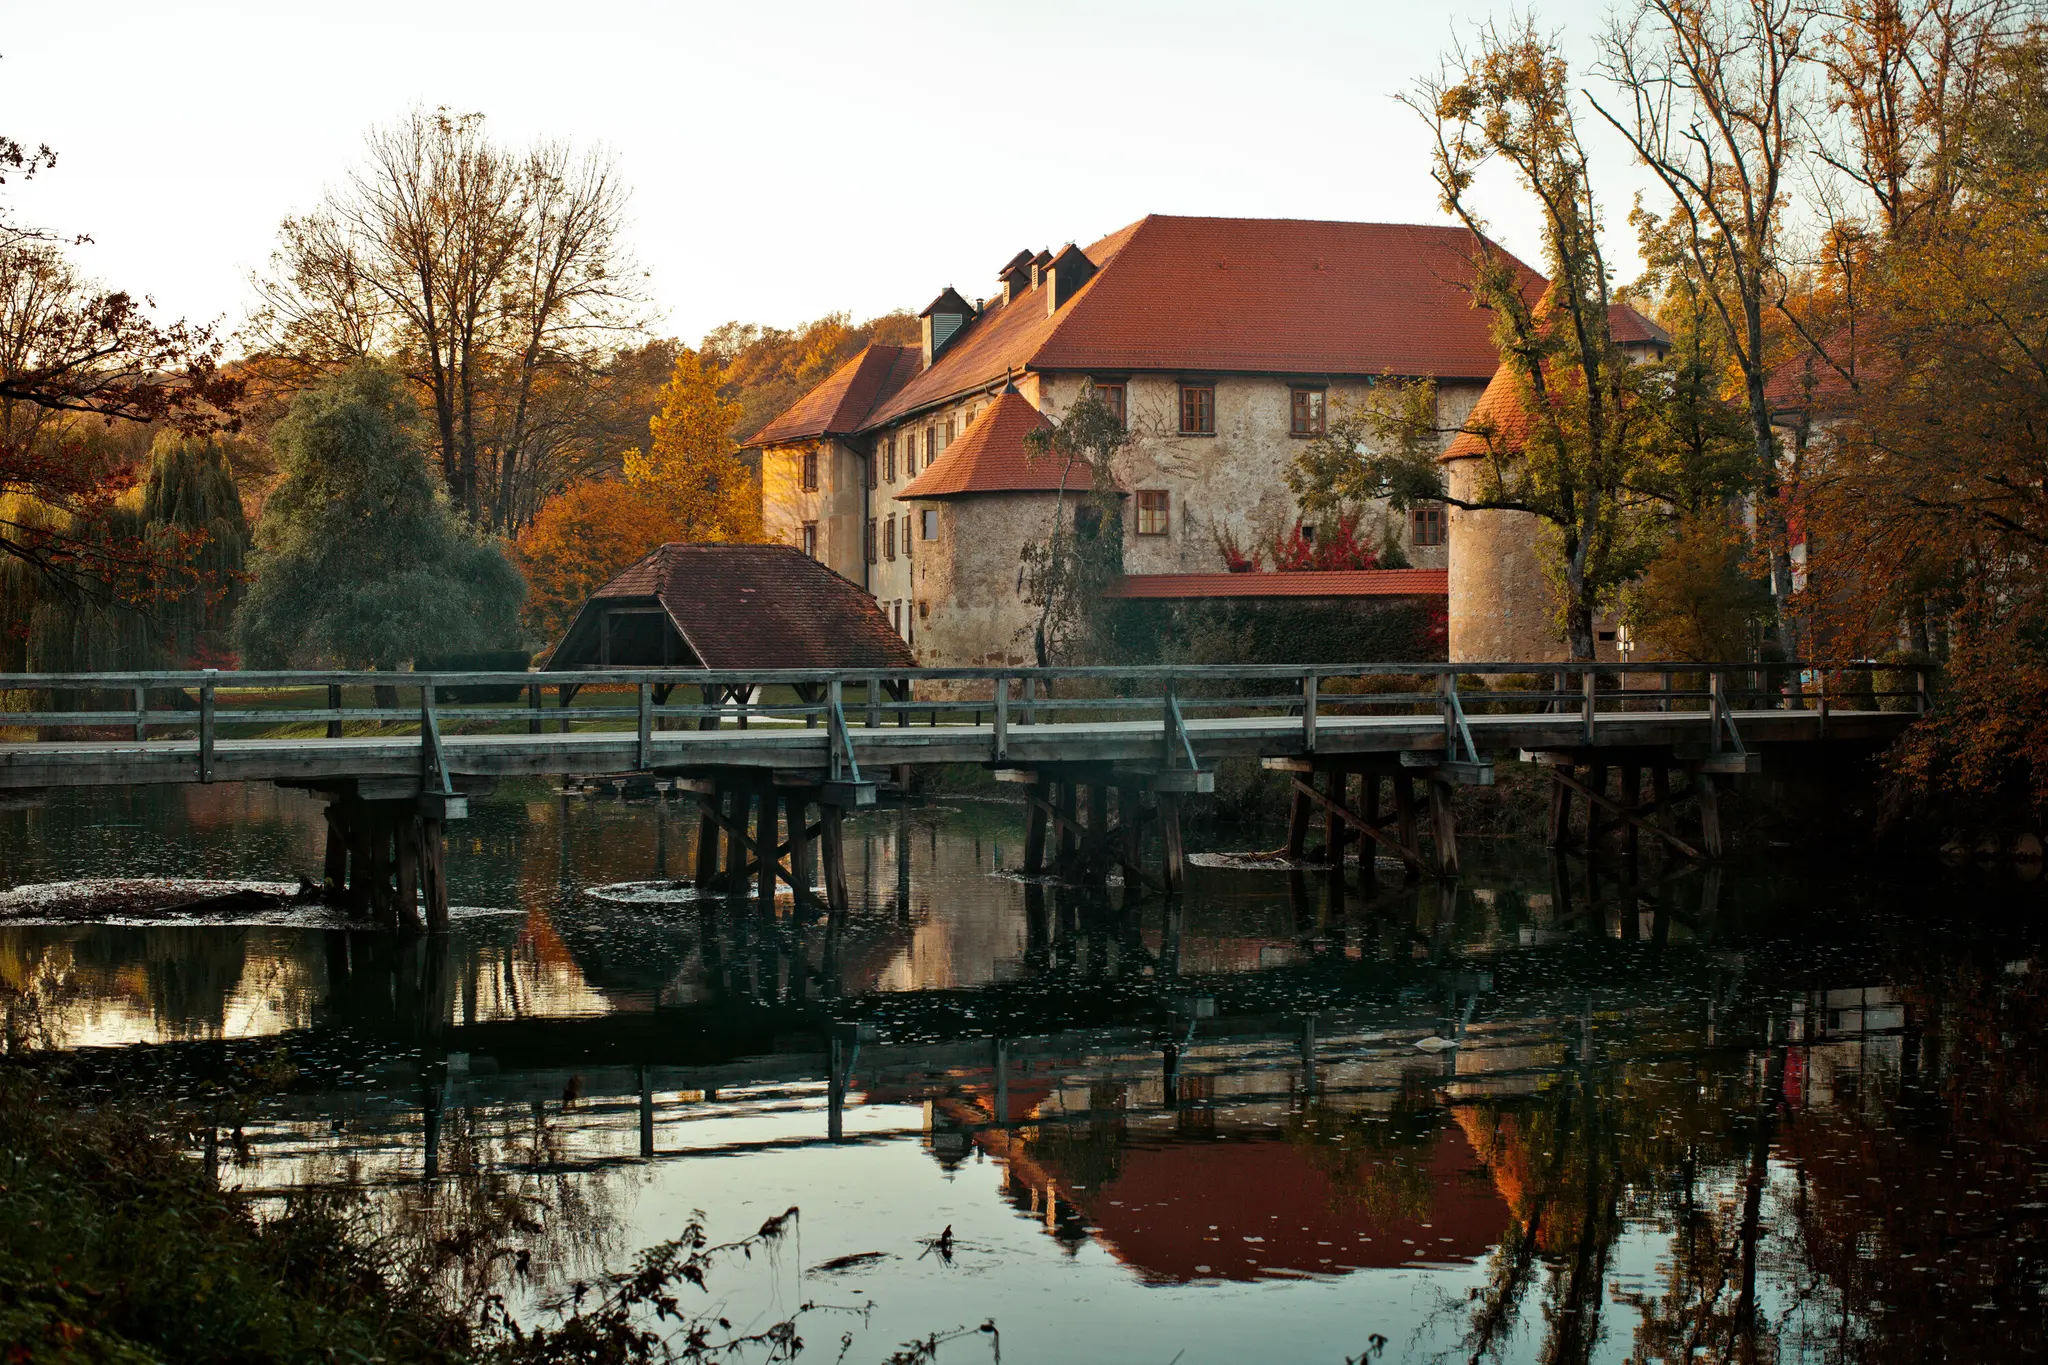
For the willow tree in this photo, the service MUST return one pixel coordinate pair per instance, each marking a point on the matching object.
(1560, 435)
(361, 560)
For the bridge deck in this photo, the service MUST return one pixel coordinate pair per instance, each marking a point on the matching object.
(789, 747)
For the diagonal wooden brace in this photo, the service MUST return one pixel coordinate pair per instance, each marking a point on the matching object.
(1627, 813)
(1359, 823)
(1105, 844)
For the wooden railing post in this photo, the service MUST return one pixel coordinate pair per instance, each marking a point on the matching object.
(1717, 691)
(1002, 717)
(141, 713)
(533, 722)
(1447, 702)
(1589, 683)
(1308, 713)
(206, 727)
(1920, 699)
(874, 703)
(334, 704)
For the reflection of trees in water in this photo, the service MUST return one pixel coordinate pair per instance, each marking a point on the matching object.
(1378, 1161)
(504, 1216)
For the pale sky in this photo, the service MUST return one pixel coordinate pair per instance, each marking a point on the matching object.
(785, 160)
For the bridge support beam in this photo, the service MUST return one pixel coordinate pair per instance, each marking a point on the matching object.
(385, 859)
(1580, 777)
(1366, 820)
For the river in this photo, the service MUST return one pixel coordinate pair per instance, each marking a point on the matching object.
(1552, 1112)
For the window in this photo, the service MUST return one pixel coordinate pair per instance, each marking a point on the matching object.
(874, 463)
(873, 531)
(949, 433)
(889, 459)
(931, 446)
(1307, 413)
(1198, 409)
(1426, 524)
(906, 535)
(810, 471)
(1112, 397)
(811, 539)
(889, 539)
(930, 517)
(1154, 507)
(896, 615)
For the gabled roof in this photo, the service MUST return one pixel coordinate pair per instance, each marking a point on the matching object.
(1308, 583)
(991, 457)
(746, 607)
(1279, 296)
(948, 301)
(840, 405)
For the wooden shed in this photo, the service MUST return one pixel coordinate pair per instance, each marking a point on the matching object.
(730, 608)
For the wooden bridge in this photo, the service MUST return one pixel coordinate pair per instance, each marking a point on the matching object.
(762, 751)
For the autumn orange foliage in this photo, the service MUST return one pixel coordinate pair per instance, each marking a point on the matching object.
(690, 484)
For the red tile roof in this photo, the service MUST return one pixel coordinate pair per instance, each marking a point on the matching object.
(841, 403)
(748, 606)
(1309, 583)
(1499, 413)
(1809, 381)
(1278, 296)
(991, 457)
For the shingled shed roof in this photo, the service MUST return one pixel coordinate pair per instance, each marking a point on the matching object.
(737, 607)
(991, 457)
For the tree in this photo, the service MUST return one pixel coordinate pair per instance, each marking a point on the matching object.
(360, 560)
(1716, 108)
(689, 485)
(1561, 438)
(75, 356)
(495, 277)
(1940, 463)
(1066, 571)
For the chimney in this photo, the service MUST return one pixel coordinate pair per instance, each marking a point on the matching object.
(1016, 277)
(942, 320)
(1068, 272)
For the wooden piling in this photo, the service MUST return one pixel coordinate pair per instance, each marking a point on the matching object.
(766, 840)
(1443, 821)
(733, 882)
(1404, 815)
(1069, 807)
(1130, 819)
(433, 874)
(1176, 854)
(1297, 826)
(833, 839)
(707, 840)
(802, 876)
(408, 870)
(1334, 828)
(1559, 834)
(1632, 800)
(1706, 787)
(1034, 836)
(1098, 831)
(334, 872)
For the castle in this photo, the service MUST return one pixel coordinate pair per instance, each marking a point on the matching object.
(1223, 343)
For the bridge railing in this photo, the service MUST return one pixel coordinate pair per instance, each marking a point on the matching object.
(214, 704)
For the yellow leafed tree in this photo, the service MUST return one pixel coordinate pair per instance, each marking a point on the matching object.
(689, 484)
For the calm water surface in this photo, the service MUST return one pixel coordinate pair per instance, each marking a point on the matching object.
(1548, 1113)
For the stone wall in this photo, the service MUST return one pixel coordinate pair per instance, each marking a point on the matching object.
(1504, 605)
(968, 610)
